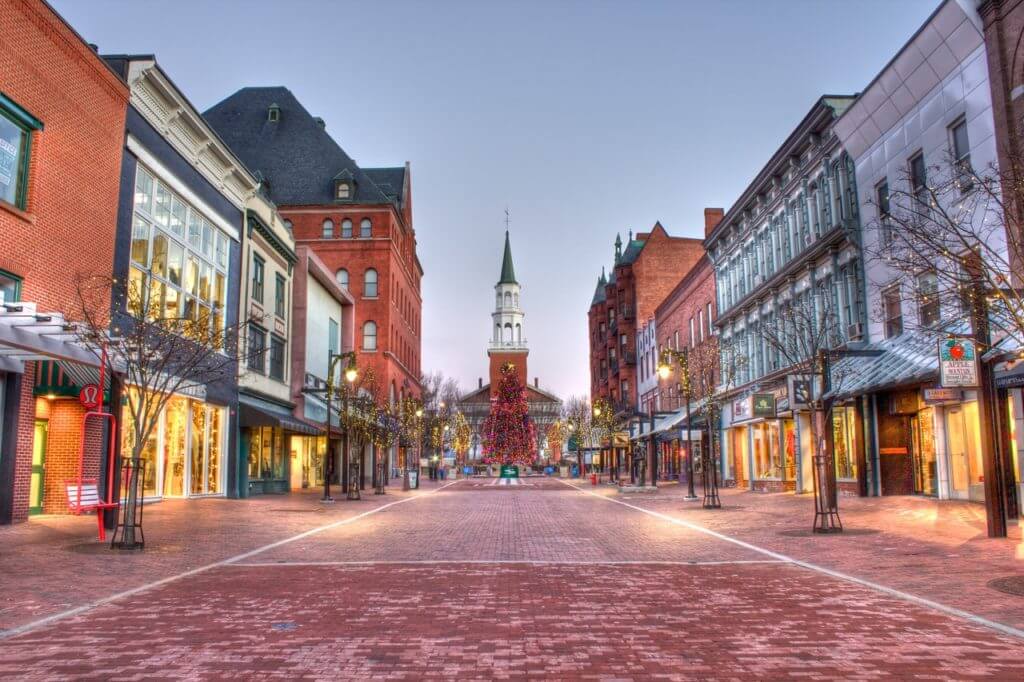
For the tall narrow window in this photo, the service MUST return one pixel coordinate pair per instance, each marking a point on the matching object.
(893, 312)
(365, 228)
(919, 179)
(884, 220)
(328, 228)
(370, 335)
(276, 358)
(346, 228)
(258, 269)
(341, 277)
(370, 284)
(711, 329)
(961, 154)
(928, 309)
(257, 348)
(280, 292)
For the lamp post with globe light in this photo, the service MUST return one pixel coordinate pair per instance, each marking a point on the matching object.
(351, 372)
(666, 365)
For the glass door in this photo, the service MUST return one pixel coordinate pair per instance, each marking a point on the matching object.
(35, 503)
(956, 445)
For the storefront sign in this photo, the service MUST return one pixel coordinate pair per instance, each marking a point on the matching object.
(799, 391)
(763, 405)
(932, 396)
(620, 439)
(89, 396)
(958, 363)
(741, 409)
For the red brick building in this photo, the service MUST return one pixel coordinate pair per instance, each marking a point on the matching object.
(684, 318)
(1003, 27)
(642, 275)
(62, 113)
(357, 220)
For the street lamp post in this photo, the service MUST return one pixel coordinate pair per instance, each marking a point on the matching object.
(670, 358)
(350, 376)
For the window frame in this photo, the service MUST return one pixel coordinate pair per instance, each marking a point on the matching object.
(365, 228)
(27, 124)
(251, 363)
(367, 283)
(890, 322)
(280, 295)
(366, 325)
(327, 229)
(259, 274)
(276, 368)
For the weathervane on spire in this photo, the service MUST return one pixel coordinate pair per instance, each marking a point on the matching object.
(506, 218)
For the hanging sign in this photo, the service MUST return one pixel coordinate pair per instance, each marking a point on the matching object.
(935, 396)
(958, 363)
(89, 396)
(763, 405)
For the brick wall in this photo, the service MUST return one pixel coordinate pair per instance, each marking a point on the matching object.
(64, 419)
(691, 295)
(397, 309)
(498, 360)
(70, 219)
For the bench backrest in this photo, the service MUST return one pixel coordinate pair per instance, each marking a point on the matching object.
(90, 495)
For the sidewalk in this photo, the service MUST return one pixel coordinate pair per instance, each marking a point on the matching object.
(51, 564)
(936, 550)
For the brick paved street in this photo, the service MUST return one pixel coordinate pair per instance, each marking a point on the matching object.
(534, 581)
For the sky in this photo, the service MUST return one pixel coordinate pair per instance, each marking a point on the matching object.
(584, 119)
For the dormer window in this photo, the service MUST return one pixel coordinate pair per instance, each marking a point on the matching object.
(274, 113)
(343, 190)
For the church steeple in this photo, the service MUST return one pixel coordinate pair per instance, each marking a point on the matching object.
(508, 271)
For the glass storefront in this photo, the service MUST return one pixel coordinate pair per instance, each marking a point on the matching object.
(184, 451)
(926, 473)
(963, 444)
(266, 453)
(767, 458)
(845, 442)
(307, 454)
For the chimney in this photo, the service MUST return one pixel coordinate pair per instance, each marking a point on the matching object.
(536, 382)
(481, 382)
(712, 216)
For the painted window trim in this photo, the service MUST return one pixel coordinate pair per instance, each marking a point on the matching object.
(28, 124)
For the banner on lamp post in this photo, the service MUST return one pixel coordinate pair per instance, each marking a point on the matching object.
(958, 363)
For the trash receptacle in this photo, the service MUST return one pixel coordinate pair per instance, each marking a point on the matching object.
(593, 479)
(414, 478)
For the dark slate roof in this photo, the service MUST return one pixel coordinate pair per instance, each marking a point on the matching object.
(295, 153)
(632, 252)
(508, 272)
(599, 296)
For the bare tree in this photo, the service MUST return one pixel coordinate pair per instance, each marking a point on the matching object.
(804, 333)
(160, 351)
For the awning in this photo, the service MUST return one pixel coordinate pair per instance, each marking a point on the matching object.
(253, 411)
(910, 358)
(26, 336)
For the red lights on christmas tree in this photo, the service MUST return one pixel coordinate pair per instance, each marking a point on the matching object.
(508, 433)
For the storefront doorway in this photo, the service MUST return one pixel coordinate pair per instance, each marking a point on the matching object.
(35, 502)
(307, 462)
(963, 442)
(926, 473)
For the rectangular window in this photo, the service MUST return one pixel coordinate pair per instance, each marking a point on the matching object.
(276, 358)
(928, 309)
(180, 272)
(10, 287)
(711, 328)
(961, 154)
(675, 339)
(258, 268)
(257, 349)
(16, 126)
(693, 336)
(919, 178)
(280, 285)
(882, 202)
(333, 335)
(700, 314)
(893, 312)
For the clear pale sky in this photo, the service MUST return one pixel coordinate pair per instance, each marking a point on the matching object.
(584, 118)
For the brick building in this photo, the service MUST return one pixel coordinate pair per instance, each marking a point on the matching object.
(642, 275)
(357, 220)
(62, 113)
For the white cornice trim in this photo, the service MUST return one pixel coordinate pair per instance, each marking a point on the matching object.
(147, 159)
(155, 97)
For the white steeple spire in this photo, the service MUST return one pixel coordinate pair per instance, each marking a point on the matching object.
(508, 332)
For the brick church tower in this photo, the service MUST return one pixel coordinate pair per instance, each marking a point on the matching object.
(508, 343)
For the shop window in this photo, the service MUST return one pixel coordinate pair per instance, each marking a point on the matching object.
(767, 458)
(276, 358)
(16, 127)
(845, 442)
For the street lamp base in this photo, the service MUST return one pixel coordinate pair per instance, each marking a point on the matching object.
(327, 500)
(691, 498)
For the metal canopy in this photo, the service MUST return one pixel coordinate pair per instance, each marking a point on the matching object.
(26, 336)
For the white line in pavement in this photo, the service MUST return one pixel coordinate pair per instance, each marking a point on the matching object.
(782, 558)
(502, 562)
(36, 624)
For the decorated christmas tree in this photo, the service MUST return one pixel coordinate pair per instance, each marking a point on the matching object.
(508, 434)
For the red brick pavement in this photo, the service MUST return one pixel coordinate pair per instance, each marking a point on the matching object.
(531, 582)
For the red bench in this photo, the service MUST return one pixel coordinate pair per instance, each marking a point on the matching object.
(87, 499)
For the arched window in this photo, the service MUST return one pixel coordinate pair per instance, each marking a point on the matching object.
(508, 332)
(288, 225)
(346, 228)
(508, 300)
(519, 333)
(341, 276)
(370, 284)
(516, 300)
(328, 228)
(369, 335)
(365, 228)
